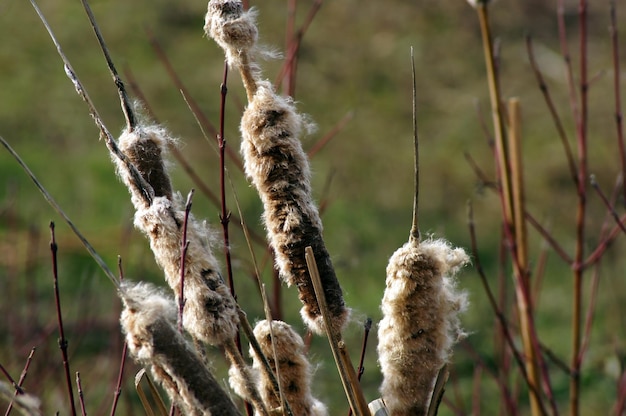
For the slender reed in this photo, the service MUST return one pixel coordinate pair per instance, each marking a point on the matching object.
(81, 397)
(63, 342)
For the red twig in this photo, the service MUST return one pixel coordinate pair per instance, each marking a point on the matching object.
(367, 325)
(571, 163)
(81, 398)
(609, 206)
(616, 89)
(293, 42)
(492, 301)
(120, 376)
(193, 105)
(20, 382)
(63, 343)
(8, 376)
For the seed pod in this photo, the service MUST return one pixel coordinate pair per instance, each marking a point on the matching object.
(279, 169)
(149, 321)
(210, 312)
(294, 370)
(420, 323)
(145, 147)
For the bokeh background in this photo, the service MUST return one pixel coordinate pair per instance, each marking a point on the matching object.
(354, 65)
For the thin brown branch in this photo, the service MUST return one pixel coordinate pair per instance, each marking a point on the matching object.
(543, 87)
(617, 91)
(63, 343)
(21, 380)
(81, 397)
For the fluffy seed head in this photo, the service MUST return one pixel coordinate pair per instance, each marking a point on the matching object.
(145, 147)
(210, 312)
(420, 323)
(294, 369)
(279, 169)
(149, 320)
(232, 28)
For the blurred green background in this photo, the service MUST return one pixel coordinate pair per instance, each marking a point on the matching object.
(354, 60)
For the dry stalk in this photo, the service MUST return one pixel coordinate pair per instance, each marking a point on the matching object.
(347, 374)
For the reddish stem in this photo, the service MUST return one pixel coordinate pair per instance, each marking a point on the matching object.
(81, 398)
(616, 89)
(20, 382)
(63, 343)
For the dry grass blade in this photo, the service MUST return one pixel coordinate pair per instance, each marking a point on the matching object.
(149, 395)
(347, 373)
(438, 390)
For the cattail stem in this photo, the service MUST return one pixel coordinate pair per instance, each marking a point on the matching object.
(415, 228)
(525, 308)
(502, 164)
(348, 376)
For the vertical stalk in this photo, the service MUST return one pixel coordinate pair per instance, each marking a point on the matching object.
(502, 163)
(62, 340)
(581, 131)
(618, 100)
(522, 285)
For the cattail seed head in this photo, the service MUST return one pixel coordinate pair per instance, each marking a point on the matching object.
(279, 169)
(232, 28)
(420, 323)
(145, 147)
(210, 312)
(149, 321)
(294, 371)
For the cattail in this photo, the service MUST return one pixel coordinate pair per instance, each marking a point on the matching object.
(235, 31)
(279, 169)
(145, 147)
(287, 357)
(149, 321)
(210, 312)
(420, 323)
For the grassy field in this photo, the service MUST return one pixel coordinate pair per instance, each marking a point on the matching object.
(354, 61)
